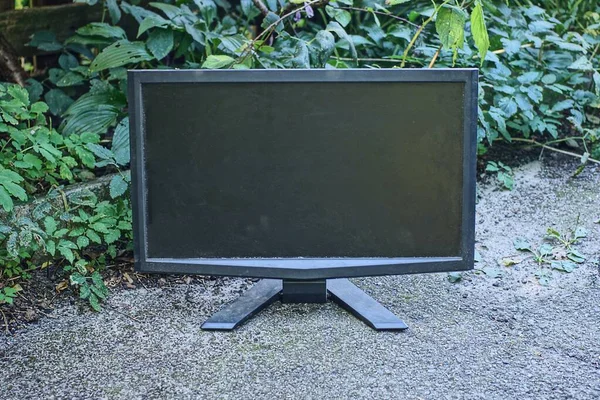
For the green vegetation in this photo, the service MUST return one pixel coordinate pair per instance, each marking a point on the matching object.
(539, 86)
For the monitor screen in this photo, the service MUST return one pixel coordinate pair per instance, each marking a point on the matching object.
(235, 168)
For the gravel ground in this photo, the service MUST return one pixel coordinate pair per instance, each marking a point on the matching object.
(496, 334)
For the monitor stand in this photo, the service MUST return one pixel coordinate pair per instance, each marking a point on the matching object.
(341, 291)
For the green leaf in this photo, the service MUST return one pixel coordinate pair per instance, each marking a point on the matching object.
(100, 151)
(564, 266)
(113, 10)
(120, 142)
(326, 46)
(70, 79)
(50, 224)
(39, 107)
(522, 244)
(93, 236)
(270, 19)
(84, 292)
(342, 34)
(94, 302)
(19, 93)
(341, 16)
(582, 64)
(15, 190)
(160, 43)
(102, 29)
(217, 62)
(120, 53)
(57, 101)
(66, 253)
(454, 277)
(5, 200)
(395, 2)
(118, 186)
(83, 242)
(51, 247)
(450, 26)
(112, 236)
(479, 31)
(575, 256)
(152, 22)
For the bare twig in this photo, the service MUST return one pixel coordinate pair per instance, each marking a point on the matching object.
(268, 30)
(292, 6)
(10, 67)
(261, 7)
(418, 33)
(124, 314)
(390, 60)
(545, 146)
(5, 322)
(382, 13)
(435, 57)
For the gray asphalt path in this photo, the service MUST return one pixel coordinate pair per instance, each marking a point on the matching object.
(495, 335)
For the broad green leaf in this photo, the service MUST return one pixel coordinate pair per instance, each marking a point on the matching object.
(522, 244)
(50, 224)
(152, 22)
(57, 101)
(170, 10)
(96, 120)
(160, 43)
(112, 236)
(341, 16)
(83, 242)
(450, 26)
(217, 62)
(102, 29)
(77, 279)
(120, 142)
(582, 64)
(95, 303)
(117, 186)
(120, 53)
(342, 34)
(15, 190)
(19, 93)
(66, 253)
(84, 292)
(34, 161)
(113, 10)
(5, 200)
(39, 107)
(454, 277)
(326, 46)
(272, 19)
(70, 79)
(100, 151)
(395, 2)
(479, 31)
(93, 236)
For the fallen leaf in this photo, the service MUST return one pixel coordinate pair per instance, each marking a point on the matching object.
(509, 261)
(62, 286)
(454, 277)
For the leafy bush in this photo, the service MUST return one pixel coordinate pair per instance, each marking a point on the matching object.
(34, 159)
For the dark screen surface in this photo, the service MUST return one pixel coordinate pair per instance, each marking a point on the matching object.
(314, 170)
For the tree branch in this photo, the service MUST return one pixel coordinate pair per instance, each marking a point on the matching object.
(261, 7)
(10, 67)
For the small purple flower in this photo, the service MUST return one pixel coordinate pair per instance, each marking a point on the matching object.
(309, 11)
(297, 16)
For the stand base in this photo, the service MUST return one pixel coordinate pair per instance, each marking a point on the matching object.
(341, 291)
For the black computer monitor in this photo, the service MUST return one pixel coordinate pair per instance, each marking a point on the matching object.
(303, 175)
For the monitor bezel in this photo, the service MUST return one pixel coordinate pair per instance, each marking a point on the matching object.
(302, 268)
